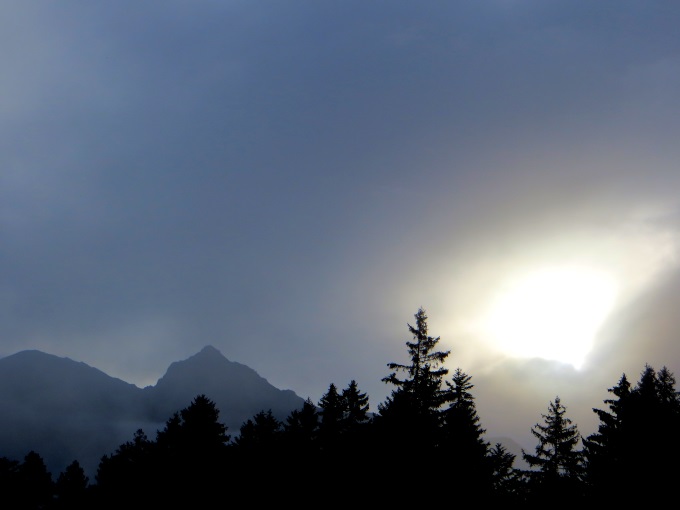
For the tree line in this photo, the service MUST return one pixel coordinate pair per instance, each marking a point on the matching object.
(424, 445)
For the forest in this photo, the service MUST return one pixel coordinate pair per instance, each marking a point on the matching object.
(423, 445)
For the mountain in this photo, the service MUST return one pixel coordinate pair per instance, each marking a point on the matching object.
(67, 410)
(237, 390)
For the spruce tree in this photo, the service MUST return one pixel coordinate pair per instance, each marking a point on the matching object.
(332, 413)
(356, 406)
(301, 446)
(558, 466)
(507, 483)
(191, 453)
(636, 445)
(34, 482)
(260, 433)
(409, 420)
(72, 488)
(604, 450)
(463, 447)
(124, 475)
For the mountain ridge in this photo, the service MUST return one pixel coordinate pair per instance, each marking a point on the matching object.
(67, 410)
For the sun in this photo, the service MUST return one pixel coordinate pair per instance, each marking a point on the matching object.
(552, 313)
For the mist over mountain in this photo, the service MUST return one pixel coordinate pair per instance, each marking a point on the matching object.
(67, 410)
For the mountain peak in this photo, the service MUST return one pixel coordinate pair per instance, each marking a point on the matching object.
(209, 350)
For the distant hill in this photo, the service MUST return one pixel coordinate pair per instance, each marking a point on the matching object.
(66, 410)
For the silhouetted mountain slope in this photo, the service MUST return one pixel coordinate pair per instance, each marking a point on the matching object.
(238, 391)
(67, 410)
(39, 381)
(63, 409)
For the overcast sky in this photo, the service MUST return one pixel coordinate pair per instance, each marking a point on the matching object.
(289, 181)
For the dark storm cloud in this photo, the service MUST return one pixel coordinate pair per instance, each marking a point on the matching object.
(289, 181)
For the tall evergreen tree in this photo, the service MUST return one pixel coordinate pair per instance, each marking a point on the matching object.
(34, 483)
(302, 426)
(256, 451)
(604, 449)
(463, 446)
(192, 453)
(411, 416)
(356, 406)
(636, 445)
(72, 488)
(558, 464)
(332, 411)
(124, 475)
(508, 486)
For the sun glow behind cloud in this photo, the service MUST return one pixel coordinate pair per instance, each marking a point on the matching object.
(555, 297)
(553, 313)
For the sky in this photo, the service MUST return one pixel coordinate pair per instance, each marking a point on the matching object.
(290, 182)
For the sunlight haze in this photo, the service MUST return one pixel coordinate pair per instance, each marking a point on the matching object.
(290, 181)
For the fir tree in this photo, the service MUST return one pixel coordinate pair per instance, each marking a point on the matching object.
(356, 406)
(332, 414)
(71, 488)
(558, 467)
(637, 443)
(411, 417)
(463, 446)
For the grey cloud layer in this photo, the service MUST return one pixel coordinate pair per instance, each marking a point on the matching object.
(289, 181)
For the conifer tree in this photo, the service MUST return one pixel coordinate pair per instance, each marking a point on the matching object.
(410, 418)
(301, 445)
(356, 406)
(72, 488)
(637, 443)
(8, 479)
(259, 434)
(191, 452)
(463, 447)
(124, 474)
(604, 449)
(508, 486)
(256, 450)
(34, 482)
(558, 464)
(301, 427)
(332, 414)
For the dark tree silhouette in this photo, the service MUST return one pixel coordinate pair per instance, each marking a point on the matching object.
(72, 488)
(428, 427)
(256, 453)
(463, 447)
(636, 446)
(558, 466)
(125, 474)
(332, 412)
(182, 467)
(356, 406)
(192, 451)
(301, 428)
(355, 441)
(409, 420)
(260, 433)
(35, 487)
(508, 485)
